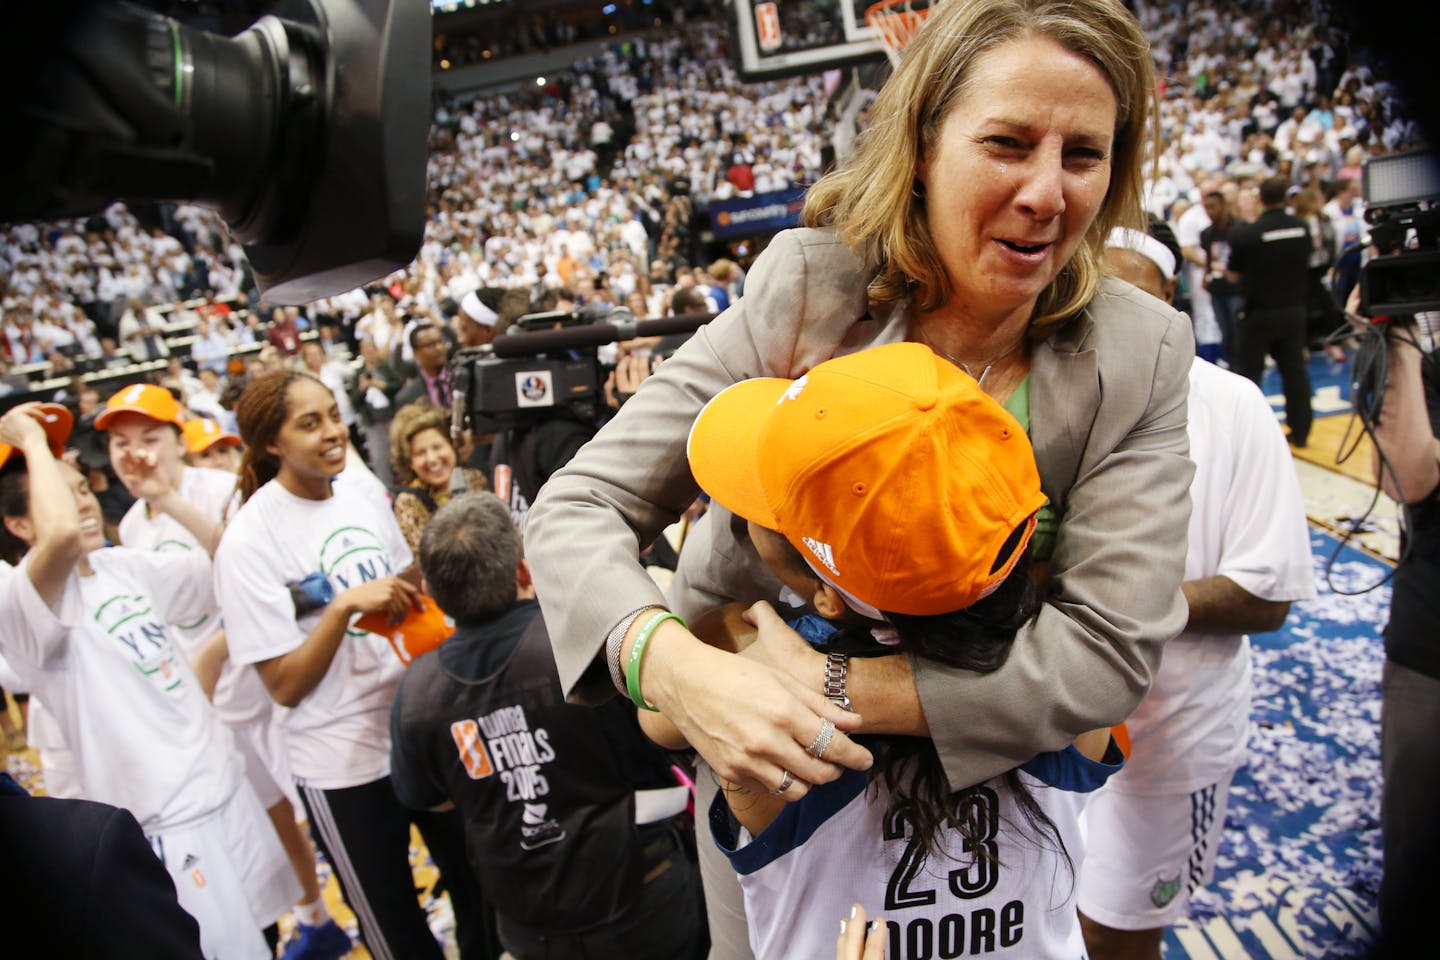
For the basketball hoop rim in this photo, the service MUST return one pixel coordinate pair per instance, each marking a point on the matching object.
(896, 27)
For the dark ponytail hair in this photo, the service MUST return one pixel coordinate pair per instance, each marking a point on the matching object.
(260, 413)
(14, 502)
(977, 638)
(980, 636)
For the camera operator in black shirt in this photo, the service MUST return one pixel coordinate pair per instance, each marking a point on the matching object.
(1407, 464)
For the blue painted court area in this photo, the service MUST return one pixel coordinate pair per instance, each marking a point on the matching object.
(1329, 387)
(1299, 870)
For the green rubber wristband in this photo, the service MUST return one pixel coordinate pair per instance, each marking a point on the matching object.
(637, 651)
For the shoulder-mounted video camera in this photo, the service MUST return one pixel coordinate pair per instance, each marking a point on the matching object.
(1402, 206)
(549, 366)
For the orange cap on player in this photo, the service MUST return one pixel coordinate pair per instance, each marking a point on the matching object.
(890, 470)
(57, 422)
(157, 403)
(201, 434)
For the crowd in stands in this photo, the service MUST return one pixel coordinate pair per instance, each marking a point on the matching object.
(479, 38)
(544, 187)
(591, 190)
(588, 189)
(1253, 95)
(69, 287)
(1253, 91)
(541, 31)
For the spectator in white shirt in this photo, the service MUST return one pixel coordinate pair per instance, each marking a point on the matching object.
(210, 350)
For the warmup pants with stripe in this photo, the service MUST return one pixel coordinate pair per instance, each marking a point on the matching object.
(364, 833)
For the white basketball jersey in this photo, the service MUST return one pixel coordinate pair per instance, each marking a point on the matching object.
(1010, 893)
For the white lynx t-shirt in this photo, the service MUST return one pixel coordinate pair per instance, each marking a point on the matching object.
(240, 696)
(339, 735)
(139, 728)
(1247, 524)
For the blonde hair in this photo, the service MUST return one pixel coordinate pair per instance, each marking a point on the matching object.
(1308, 201)
(870, 199)
(410, 420)
(722, 270)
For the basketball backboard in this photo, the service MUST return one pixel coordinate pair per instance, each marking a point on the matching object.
(781, 38)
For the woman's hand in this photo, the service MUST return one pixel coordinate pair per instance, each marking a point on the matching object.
(390, 595)
(882, 688)
(778, 646)
(857, 940)
(630, 371)
(21, 425)
(137, 470)
(751, 722)
(1352, 309)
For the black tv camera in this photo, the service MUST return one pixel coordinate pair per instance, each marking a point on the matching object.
(549, 364)
(308, 131)
(1400, 281)
(1402, 206)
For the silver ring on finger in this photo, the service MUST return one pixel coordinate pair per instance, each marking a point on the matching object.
(822, 739)
(786, 782)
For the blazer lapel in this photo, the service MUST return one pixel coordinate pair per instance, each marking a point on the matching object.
(1064, 398)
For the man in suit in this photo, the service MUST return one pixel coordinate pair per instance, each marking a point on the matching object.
(432, 361)
(372, 394)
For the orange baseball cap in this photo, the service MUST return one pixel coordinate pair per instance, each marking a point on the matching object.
(421, 631)
(890, 470)
(157, 403)
(57, 421)
(201, 434)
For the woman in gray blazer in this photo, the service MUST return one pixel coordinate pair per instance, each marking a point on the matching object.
(972, 217)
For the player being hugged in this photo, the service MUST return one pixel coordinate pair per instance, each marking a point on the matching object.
(897, 499)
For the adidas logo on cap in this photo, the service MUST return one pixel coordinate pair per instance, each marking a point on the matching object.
(823, 552)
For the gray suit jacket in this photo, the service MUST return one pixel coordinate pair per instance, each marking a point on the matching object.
(411, 390)
(1108, 410)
